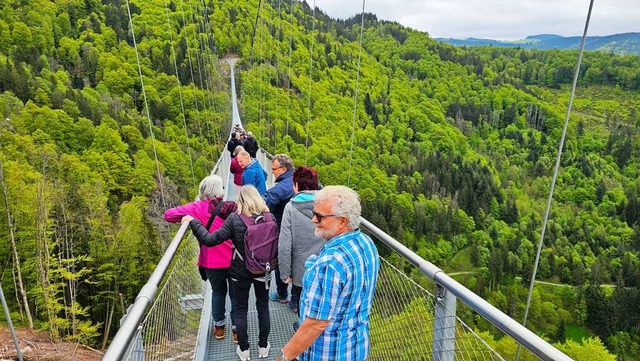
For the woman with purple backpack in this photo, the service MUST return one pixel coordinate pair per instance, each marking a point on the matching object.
(213, 262)
(252, 208)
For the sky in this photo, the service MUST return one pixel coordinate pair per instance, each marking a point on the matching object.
(496, 19)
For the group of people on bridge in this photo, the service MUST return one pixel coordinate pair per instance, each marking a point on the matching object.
(331, 266)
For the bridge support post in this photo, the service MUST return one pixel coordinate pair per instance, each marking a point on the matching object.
(135, 351)
(444, 326)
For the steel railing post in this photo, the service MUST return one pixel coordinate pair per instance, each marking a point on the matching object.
(444, 325)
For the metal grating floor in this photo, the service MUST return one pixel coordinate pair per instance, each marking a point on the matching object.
(282, 319)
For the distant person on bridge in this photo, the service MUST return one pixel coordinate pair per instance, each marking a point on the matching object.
(250, 144)
(233, 143)
(236, 169)
(253, 173)
(297, 239)
(338, 284)
(213, 262)
(277, 198)
(251, 204)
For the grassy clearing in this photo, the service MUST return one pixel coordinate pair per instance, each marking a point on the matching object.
(576, 333)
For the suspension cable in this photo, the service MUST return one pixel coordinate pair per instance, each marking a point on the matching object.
(193, 81)
(556, 168)
(208, 70)
(313, 28)
(211, 42)
(261, 100)
(355, 98)
(277, 54)
(203, 86)
(175, 65)
(255, 24)
(146, 106)
(289, 68)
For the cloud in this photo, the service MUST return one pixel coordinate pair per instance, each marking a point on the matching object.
(498, 19)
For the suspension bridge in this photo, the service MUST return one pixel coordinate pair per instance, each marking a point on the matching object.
(408, 321)
(171, 317)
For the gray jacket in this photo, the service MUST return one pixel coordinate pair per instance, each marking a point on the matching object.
(297, 240)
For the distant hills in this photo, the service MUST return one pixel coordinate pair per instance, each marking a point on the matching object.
(625, 43)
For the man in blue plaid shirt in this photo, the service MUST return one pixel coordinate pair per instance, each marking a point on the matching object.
(338, 284)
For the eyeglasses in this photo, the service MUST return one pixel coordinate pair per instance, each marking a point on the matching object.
(320, 217)
(275, 169)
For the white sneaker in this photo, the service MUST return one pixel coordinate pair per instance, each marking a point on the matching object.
(244, 355)
(263, 352)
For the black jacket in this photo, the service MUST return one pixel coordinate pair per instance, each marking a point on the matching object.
(232, 144)
(233, 229)
(251, 146)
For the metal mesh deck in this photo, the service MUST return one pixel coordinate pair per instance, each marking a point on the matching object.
(282, 319)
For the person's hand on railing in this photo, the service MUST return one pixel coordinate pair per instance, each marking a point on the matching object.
(186, 219)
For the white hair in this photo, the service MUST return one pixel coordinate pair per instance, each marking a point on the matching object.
(211, 187)
(346, 203)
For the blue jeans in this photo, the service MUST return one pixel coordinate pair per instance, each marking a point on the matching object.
(220, 283)
(241, 288)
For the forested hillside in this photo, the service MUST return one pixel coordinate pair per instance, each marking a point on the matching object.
(453, 153)
(621, 44)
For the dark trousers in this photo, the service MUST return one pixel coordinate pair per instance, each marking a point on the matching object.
(220, 284)
(295, 297)
(281, 287)
(241, 288)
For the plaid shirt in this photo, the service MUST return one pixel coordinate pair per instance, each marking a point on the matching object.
(338, 286)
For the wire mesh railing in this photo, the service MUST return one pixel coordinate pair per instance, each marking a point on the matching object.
(403, 323)
(138, 333)
(170, 328)
(411, 323)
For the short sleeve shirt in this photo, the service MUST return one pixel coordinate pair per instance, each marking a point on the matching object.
(338, 286)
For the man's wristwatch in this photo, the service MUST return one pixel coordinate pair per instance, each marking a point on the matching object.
(283, 357)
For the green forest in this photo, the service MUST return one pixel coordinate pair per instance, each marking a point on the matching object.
(451, 150)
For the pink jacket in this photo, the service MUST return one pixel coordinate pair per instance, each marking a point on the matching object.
(210, 257)
(237, 170)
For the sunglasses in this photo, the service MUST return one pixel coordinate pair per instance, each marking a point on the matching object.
(320, 217)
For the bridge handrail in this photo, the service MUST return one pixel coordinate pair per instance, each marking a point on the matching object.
(508, 325)
(129, 327)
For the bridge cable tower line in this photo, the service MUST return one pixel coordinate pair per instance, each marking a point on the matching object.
(555, 169)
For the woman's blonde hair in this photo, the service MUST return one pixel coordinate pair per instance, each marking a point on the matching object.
(250, 202)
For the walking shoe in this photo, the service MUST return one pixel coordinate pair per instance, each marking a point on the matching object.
(273, 296)
(244, 355)
(235, 336)
(296, 326)
(263, 352)
(293, 307)
(218, 331)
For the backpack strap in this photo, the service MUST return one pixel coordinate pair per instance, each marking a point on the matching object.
(214, 213)
(245, 219)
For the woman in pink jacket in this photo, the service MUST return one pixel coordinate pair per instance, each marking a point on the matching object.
(214, 260)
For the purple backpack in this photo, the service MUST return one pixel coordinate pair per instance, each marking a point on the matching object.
(260, 243)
